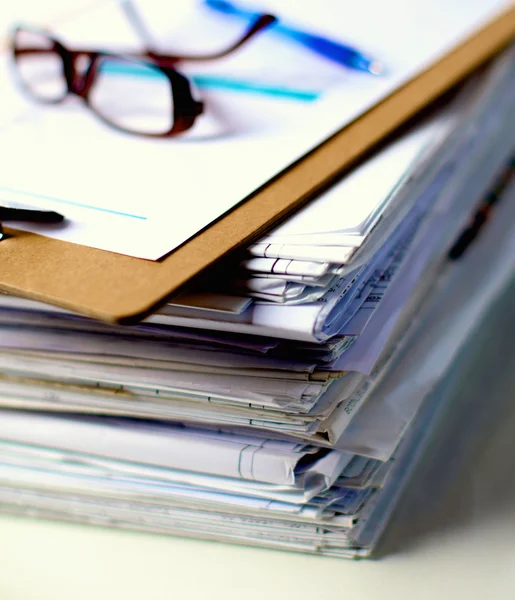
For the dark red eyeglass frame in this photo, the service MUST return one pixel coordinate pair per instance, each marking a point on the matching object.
(79, 83)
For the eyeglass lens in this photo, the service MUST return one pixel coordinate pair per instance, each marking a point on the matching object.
(40, 68)
(132, 95)
(129, 94)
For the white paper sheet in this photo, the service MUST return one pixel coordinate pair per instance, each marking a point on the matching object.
(309, 482)
(350, 208)
(165, 356)
(168, 446)
(212, 385)
(144, 197)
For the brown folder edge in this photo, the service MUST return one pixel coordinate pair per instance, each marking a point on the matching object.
(117, 288)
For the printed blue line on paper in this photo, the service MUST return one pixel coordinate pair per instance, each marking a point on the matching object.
(216, 82)
(71, 203)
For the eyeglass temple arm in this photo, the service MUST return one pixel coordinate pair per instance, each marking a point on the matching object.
(261, 23)
(139, 26)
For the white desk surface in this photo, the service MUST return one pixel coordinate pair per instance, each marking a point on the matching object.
(457, 544)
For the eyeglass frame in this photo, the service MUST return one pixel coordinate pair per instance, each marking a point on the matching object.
(186, 108)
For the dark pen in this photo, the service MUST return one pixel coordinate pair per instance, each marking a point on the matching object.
(28, 215)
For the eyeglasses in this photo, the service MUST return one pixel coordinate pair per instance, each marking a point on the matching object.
(138, 93)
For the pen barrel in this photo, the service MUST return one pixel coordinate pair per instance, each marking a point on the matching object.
(340, 53)
(335, 51)
(29, 215)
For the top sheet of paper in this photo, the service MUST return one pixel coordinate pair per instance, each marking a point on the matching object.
(144, 197)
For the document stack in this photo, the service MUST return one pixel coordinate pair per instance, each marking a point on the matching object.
(284, 397)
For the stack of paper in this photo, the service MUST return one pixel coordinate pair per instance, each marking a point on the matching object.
(284, 399)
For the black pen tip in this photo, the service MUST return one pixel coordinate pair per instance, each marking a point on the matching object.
(43, 216)
(53, 217)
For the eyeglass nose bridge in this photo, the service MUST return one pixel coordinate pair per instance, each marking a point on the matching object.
(81, 76)
(198, 108)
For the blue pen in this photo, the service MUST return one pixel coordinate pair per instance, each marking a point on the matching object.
(341, 53)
